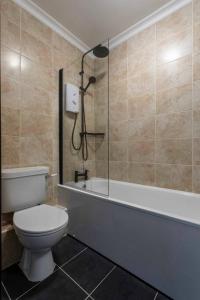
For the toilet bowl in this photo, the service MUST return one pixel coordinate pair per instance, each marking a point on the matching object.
(39, 228)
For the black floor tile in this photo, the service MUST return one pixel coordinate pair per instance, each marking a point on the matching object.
(66, 249)
(120, 285)
(3, 294)
(162, 297)
(15, 281)
(56, 287)
(88, 269)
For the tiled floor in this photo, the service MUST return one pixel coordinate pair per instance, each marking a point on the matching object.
(81, 273)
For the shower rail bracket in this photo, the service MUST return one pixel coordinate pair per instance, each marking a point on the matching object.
(92, 133)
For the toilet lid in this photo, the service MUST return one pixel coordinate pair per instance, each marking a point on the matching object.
(41, 218)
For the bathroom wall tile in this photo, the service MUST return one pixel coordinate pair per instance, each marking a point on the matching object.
(141, 173)
(117, 71)
(174, 74)
(35, 124)
(197, 38)
(196, 179)
(118, 170)
(59, 60)
(10, 62)
(117, 93)
(141, 128)
(33, 26)
(176, 151)
(196, 95)
(141, 106)
(176, 125)
(118, 151)
(71, 53)
(142, 84)
(36, 75)
(36, 100)
(10, 11)
(141, 151)
(118, 131)
(117, 111)
(174, 47)
(10, 121)
(36, 150)
(196, 67)
(174, 23)
(196, 151)
(141, 40)
(101, 150)
(141, 60)
(36, 50)
(196, 11)
(118, 53)
(10, 92)
(10, 151)
(102, 169)
(174, 177)
(10, 34)
(196, 123)
(174, 100)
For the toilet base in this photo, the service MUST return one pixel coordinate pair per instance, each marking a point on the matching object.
(37, 265)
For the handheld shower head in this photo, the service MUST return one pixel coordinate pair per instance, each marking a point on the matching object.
(92, 80)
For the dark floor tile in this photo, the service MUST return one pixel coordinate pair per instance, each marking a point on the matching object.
(3, 294)
(88, 269)
(66, 249)
(162, 297)
(58, 286)
(120, 285)
(15, 281)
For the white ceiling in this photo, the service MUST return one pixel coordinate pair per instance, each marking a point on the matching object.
(93, 21)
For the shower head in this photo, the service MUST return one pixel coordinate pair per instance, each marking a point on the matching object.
(92, 79)
(100, 51)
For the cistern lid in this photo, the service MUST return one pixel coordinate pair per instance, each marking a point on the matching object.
(40, 218)
(23, 172)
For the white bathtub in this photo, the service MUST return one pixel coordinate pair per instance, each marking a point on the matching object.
(152, 232)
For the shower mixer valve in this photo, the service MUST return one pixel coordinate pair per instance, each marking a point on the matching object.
(78, 174)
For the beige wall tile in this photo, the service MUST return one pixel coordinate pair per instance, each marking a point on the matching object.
(117, 93)
(101, 169)
(196, 11)
(118, 151)
(118, 170)
(174, 74)
(196, 95)
(196, 179)
(118, 111)
(141, 40)
(141, 173)
(174, 23)
(196, 67)
(174, 177)
(118, 131)
(36, 50)
(10, 121)
(176, 151)
(141, 106)
(10, 151)
(174, 100)
(117, 71)
(174, 125)
(196, 123)
(175, 46)
(10, 11)
(32, 25)
(10, 92)
(141, 85)
(141, 128)
(197, 38)
(141, 151)
(196, 151)
(10, 34)
(35, 124)
(10, 62)
(118, 53)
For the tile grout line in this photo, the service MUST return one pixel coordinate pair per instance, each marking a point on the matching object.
(52, 273)
(113, 268)
(6, 290)
(74, 281)
(73, 257)
(156, 295)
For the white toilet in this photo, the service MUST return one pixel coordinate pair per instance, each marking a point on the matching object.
(38, 226)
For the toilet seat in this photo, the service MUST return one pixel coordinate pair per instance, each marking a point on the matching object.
(40, 220)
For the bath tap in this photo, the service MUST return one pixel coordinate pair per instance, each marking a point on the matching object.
(78, 174)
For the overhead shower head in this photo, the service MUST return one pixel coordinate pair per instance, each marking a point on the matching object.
(100, 51)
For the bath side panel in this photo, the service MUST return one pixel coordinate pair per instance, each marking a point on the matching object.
(163, 252)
